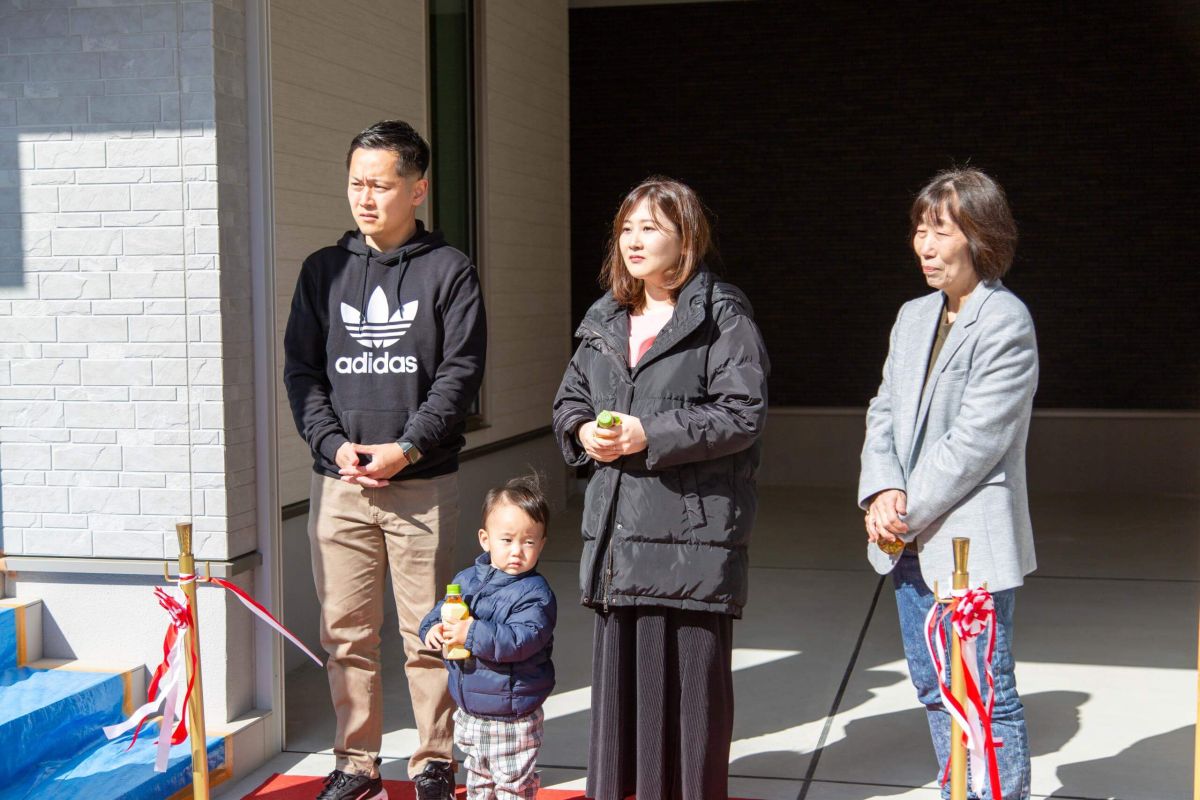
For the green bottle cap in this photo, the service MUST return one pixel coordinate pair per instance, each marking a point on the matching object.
(453, 588)
(606, 419)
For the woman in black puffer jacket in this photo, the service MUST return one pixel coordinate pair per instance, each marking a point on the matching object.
(668, 513)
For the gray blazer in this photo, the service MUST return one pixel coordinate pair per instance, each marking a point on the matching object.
(958, 448)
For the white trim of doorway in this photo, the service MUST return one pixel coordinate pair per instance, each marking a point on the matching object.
(268, 648)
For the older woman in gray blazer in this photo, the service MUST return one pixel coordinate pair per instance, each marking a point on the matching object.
(945, 443)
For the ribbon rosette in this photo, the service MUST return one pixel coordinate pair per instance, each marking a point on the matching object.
(171, 685)
(972, 614)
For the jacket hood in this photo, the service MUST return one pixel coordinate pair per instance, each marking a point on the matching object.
(422, 242)
(606, 313)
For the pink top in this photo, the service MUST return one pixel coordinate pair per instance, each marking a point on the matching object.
(643, 329)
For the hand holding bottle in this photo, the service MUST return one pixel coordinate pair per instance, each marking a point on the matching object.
(435, 638)
(609, 436)
(454, 636)
(456, 622)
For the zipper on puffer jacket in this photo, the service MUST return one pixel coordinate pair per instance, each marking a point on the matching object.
(607, 582)
(605, 544)
(602, 572)
(478, 593)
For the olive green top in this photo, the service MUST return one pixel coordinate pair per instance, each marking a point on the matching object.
(940, 339)
(943, 330)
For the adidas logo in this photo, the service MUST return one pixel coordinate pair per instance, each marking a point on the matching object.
(379, 327)
(379, 365)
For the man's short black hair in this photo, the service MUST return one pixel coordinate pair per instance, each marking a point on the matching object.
(397, 136)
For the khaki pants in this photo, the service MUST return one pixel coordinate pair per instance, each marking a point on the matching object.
(356, 533)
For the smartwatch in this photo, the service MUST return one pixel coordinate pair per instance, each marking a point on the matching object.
(411, 453)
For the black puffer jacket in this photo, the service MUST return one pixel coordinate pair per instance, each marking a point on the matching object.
(670, 526)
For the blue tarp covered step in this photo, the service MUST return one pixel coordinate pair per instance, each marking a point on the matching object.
(20, 631)
(43, 712)
(113, 770)
(8, 638)
(51, 714)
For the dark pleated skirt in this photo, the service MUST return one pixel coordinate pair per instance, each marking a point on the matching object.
(662, 705)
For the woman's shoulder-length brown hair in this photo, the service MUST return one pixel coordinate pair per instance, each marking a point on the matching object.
(977, 204)
(670, 202)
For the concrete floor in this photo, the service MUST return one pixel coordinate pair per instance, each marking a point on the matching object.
(1105, 641)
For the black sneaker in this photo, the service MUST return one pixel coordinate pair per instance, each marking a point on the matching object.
(344, 786)
(436, 782)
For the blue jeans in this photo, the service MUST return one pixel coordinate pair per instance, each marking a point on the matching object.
(913, 601)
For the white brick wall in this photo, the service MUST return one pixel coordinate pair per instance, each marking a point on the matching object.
(125, 376)
(124, 278)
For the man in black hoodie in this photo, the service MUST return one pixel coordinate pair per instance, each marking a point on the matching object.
(384, 355)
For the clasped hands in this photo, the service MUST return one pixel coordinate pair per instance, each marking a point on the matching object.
(448, 634)
(609, 444)
(386, 460)
(883, 521)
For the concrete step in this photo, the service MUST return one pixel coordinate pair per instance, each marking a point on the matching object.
(248, 743)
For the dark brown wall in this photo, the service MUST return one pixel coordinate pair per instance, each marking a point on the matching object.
(808, 130)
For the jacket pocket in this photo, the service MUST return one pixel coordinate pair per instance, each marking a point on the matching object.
(947, 394)
(954, 375)
(996, 476)
(597, 498)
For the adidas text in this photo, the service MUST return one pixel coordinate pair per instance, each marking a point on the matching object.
(377, 365)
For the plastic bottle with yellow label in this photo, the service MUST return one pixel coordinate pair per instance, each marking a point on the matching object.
(454, 609)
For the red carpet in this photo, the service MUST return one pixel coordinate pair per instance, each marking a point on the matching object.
(303, 787)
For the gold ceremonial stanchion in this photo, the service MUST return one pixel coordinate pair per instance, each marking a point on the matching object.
(195, 710)
(958, 681)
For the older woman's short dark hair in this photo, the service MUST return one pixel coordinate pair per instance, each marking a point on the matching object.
(977, 204)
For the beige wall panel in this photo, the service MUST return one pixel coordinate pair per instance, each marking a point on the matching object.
(538, 300)
(335, 68)
(525, 260)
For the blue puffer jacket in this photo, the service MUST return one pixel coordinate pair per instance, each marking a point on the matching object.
(509, 673)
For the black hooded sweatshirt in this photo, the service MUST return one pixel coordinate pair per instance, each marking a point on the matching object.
(385, 347)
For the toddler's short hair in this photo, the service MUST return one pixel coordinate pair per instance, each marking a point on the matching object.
(526, 494)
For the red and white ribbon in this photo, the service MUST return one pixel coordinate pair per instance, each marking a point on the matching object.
(257, 609)
(170, 687)
(972, 614)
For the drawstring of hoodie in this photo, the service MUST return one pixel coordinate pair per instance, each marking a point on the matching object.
(362, 303)
(405, 260)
